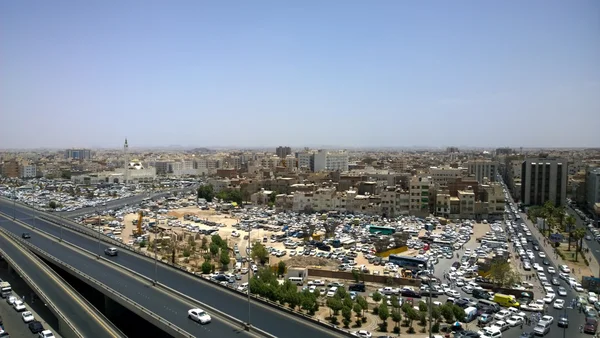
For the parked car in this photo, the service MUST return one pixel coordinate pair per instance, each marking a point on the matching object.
(111, 251)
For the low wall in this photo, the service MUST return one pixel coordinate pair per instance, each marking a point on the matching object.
(313, 272)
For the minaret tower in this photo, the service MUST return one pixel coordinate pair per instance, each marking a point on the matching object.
(126, 153)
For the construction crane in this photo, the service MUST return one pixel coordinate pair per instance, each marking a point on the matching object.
(138, 231)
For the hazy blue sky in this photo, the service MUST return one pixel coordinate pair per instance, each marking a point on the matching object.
(261, 73)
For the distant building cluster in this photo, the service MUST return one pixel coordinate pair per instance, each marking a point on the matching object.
(453, 183)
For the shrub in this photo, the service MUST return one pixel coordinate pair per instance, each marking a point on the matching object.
(435, 328)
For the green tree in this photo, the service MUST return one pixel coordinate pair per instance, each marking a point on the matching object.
(360, 300)
(447, 312)
(384, 314)
(357, 309)
(281, 268)
(187, 252)
(412, 315)
(206, 192)
(204, 244)
(214, 248)
(459, 313)
(52, 205)
(394, 301)
(347, 314)
(435, 313)
(260, 252)
(502, 274)
(422, 306)
(335, 304)
(377, 296)
(224, 259)
(206, 267)
(396, 317)
(570, 224)
(348, 302)
(578, 235)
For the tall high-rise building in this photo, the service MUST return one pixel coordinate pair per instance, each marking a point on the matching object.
(78, 154)
(283, 152)
(542, 180)
(592, 181)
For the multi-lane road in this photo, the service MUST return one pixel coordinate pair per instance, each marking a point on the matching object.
(262, 316)
(131, 200)
(135, 289)
(84, 318)
(575, 318)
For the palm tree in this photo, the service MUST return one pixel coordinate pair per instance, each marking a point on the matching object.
(560, 215)
(578, 236)
(570, 222)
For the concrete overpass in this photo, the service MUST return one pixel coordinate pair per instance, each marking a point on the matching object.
(196, 289)
(76, 317)
(161, 308)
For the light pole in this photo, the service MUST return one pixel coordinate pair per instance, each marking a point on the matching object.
(98, 215)
(14, 203)
(156, 256)
(249, 254)
(33, 226)
(429, 303)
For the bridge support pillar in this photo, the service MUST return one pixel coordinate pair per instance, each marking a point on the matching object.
(112, 309)
(10, 269)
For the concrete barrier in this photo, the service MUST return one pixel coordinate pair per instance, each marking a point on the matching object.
(332, 274)
(93, 234)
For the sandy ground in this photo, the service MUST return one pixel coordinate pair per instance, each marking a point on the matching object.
(256, 235)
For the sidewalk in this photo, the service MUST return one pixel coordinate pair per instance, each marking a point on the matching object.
(578, 272)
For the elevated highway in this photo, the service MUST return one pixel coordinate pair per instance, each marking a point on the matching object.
(163, 309)
(263, 317)
(76, 317)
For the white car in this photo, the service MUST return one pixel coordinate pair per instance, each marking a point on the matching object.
(514, 321)
(551, 270)
(467, 289)
(489, 332)
(564, 268)
(199, 315)
(559, 304)
(549, 298)
(501, 325)
(501, 315)
(548, 319)
(562, 291)
(11, 300)
(362, 333)
(542, 254)
(19, 306)
(592, 297)
(453, 293)
(27, 316)
(46, 334)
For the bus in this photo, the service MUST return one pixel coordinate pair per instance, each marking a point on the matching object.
(408, 262)
(374, 229)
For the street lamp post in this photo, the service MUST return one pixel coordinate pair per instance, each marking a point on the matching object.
(156, 257)
(14, 203)
(249, 254)
(429, 304)
(98, 215)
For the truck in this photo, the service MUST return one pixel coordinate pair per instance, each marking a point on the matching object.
(5, 289)
(506, 300)
(470, 314)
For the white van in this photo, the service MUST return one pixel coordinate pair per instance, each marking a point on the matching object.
(296, 280)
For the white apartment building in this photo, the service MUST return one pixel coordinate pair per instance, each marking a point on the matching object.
(394, 202)
(28, 171)
(442, 175)
(331, 161)
(306, 160)
(483, 168)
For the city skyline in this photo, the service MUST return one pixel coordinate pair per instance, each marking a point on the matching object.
(333, 75)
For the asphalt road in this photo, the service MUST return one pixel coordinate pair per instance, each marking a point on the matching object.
(264, 317)
(170, 308)
(121, 202)
(12, 320)
(592, 244)
(575, 319)
(85, 322)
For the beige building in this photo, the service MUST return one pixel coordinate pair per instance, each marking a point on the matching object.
(419, 195)
(443, 175)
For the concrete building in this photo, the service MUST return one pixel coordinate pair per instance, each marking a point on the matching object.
(331, 161)
(306, 160)
(542, 180)
(78, 154)
(11, 168)
(283, 151)
(482, 168)
(419, 195)
(443, 175)
(28, 171)
(592, 182)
